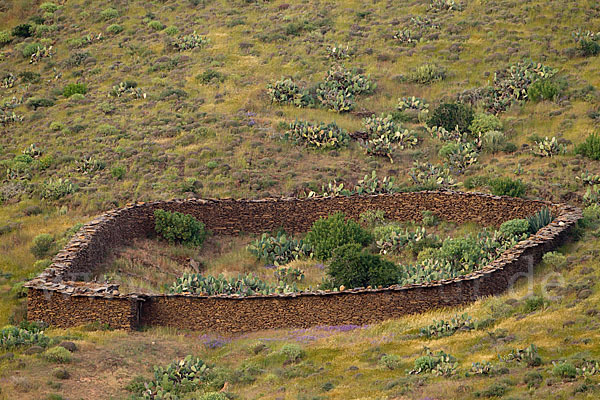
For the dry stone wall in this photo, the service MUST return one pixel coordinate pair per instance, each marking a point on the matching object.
(60, 297)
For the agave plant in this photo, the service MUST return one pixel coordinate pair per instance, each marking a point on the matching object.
(540, 219)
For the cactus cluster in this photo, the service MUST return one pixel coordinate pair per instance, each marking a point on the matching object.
(548, 147)
(9, 117)
(12, 337)
(408, 36)
(581, 35)
(127, 88)
(427, 174)
(8, 81)
(179, 377)
(289, 275)
(370, 184)
(279, 249)
(511, 84)
(587, 178)
(444, 5)
(42, 52)
(588, 368)
(242, 285)
(55, 189)
(443, 135)
(322, 136)
(339, 52)
(481, 368)
(442, 328)
(337, 92)
(384, 135)
(528, 355)
(191, 41)
(392, 239)
(439, 364)
(89, 165)
(459, 156)
(412, 103)
(32, 151)
(286, 91)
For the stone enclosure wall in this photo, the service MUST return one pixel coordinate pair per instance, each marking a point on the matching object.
(60, 296)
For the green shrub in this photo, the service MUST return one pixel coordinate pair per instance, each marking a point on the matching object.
(38, 102)
(118, 172)
(23, 30)
(58, 355)
(171, 30)
(48, 7)
(483, 123)
(506, 186)
(74, 88)
(210, 76)
(452, 115)
(589, 48)
(352, 266)
(5, 38)
(515, 227)
(494, 141)
(114, 29)
(543, 89)
(107, 130)
(390, 361)
(533, 379)
(109, 13)
(12, 337)
(329, 233)
(60, 373)
(42, 244)
(555, 259)
(591, 147)
(292, 352)
(495, 390)
(156, 25)
(564, 370)
(31, 48)
(178, 227)
(426, 74)
(213, 396)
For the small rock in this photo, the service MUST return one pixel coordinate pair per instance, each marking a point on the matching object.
(69, 346)
(353, 368)
(7, 356)
(33, 350)
(584, 294)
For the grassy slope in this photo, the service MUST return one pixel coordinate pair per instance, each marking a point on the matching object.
(161, 142)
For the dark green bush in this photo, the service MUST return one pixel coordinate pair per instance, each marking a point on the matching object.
(507, 187)
(37, 102)
(74, 88)
(209, 76)
(352, 266)
(329, 233)
(515, 227)
(564, 370)
(23, 30)
(42, 244)
(543, 89)
(31, 48)
(178, 227)
(591, 147)
(589, 47)
(451, 115)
